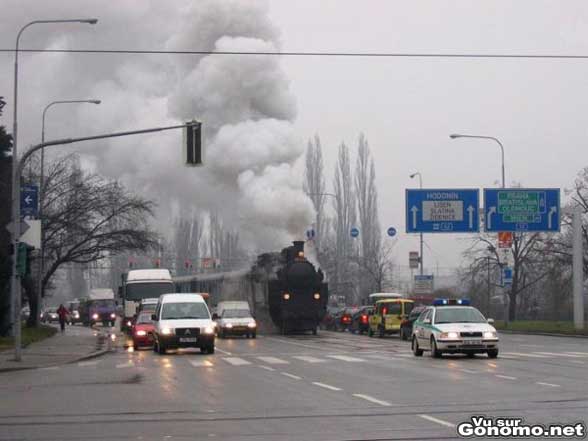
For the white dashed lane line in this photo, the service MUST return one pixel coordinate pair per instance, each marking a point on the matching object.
(267, 368)
(236, 361)
(87, 363)
(221, 351)
(272, 360)
(437, 420)
(201, 363)
(294, 377)
(372, 399)
(50, 368)
(346, 358)
(326, 386)
(506, 377)
(547, 384)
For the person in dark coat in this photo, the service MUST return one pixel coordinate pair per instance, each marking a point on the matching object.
(62, 312)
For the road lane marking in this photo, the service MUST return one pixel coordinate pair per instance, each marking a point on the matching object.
(560, 354)
(506, 377)
(49, 368)
(548, 384)
(520, 354)
(295, 343)
(577, 362)
(372, 399)
(201, 363)
(585, 354)
(236, 361)
(309, 359)
(295, 377)
(437, 420)
(325, 386)
(87, 363)
(267, 368)
(346, 358)
(272, 360)
(125, 365)
(469, 371)
(222, 352)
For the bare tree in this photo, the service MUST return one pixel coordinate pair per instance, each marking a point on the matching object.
(376, 267)
(314, 186)
(367, 208)
(87, 218)
(224, 245)
(187, 237)
(345, 219)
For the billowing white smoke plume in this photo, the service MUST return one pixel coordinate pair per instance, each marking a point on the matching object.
(244, 103)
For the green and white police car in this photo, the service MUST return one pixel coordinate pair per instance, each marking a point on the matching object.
(452, 326)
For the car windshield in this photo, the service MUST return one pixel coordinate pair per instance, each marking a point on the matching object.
(236, 313)
(458, 315)
(144, 319)
(106, 303)
(149, 290)
(184, 310)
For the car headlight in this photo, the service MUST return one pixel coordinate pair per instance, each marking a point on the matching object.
(141, 333)
(76, 314)
(229, 325)
(490, 334)
(208, 330)
(167, 331)
(95, 316)
(449, 335)
(129, 323)
(317, 296)
(113, 315)
(251, 325)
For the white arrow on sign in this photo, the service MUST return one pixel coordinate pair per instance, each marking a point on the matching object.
(28, 200)
(414, 210)
(491, 211)
(471, 216)
(552, 211)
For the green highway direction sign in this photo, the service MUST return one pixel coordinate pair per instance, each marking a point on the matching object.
(521, 209)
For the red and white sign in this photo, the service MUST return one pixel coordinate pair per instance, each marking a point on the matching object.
(505, 239)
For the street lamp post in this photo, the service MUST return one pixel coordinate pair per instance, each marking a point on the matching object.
(421, 234)
(41, 180)
(15, 300)
(491, 138)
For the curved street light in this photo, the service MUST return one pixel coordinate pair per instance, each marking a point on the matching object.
(492, 138)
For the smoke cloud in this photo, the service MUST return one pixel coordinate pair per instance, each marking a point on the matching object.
(244, 102)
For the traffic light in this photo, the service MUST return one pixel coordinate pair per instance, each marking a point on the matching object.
(193, 143)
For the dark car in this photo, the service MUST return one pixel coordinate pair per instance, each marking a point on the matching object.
(344, 318)
(406, 325)
(360, 320)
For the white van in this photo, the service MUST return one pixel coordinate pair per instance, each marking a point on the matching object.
(183, 321)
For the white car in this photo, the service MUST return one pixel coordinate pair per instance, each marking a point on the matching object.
(453, 327)
(183, 321)
(236, 322)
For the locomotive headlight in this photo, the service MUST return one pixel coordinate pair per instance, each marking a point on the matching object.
(286, 296)
(317, 296)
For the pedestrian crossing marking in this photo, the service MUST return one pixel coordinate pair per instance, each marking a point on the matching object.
(236, 361)
(309, 359)
(346, 358)
(201, 363)
(272, 360)
(561, 354)
(520, 354)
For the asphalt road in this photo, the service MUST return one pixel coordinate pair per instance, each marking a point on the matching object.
(335, 386)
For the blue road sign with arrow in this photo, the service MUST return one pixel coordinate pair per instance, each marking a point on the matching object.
(29, 198)
(442, 211)
(521, 209)
(391, 231)
(354, 232)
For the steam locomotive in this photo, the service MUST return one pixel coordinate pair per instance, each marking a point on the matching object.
(297, 294)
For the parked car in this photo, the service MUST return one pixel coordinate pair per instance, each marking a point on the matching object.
(360, 320)
(407, 324)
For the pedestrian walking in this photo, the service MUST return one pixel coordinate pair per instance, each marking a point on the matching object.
(62, 312)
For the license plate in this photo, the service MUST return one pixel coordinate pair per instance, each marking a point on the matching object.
(188, 339)
(472, 342)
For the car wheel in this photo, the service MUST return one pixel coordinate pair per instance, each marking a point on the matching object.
(418, 352)
(493, 353)
(471, 355)
(135, 347)
(435, 353)
(314, 331)
(161, 349)
(155, 346)
(207, 349)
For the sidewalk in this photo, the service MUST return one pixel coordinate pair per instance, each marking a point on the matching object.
(77, 343)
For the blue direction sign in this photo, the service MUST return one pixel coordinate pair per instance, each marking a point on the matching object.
(442, 211)
(354, 232)
(29, 198)
(507, 276)
(391, 231)
(521, 209)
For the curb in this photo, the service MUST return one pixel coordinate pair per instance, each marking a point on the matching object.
(547, 334)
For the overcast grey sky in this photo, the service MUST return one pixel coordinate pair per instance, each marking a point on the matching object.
(407, 107)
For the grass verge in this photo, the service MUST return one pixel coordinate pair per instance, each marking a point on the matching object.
(29, 335)
(549, 327)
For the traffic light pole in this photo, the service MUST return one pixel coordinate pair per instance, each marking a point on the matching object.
(18, 166)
